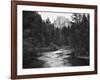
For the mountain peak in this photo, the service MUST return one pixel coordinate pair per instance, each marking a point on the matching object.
(61, 22)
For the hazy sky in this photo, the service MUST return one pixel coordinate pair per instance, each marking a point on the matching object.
(52, 16)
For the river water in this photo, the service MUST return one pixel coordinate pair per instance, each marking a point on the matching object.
(56, 58)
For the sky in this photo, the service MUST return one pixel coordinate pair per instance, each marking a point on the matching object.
(53, 15)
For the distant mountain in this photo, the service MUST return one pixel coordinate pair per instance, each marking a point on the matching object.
(61, 21)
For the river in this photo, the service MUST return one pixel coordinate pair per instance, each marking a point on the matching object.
(57, 58)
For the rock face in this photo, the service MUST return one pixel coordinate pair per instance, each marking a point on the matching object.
(61, 21)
